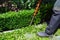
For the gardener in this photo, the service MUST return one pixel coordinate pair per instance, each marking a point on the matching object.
(54, 22)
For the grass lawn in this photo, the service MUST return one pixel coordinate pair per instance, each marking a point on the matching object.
(27, 33)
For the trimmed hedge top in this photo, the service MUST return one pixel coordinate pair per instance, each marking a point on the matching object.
(12, 14)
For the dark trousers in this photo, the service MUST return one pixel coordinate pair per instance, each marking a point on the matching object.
(54, 23)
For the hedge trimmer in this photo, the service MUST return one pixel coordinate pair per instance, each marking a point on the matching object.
(36, 11)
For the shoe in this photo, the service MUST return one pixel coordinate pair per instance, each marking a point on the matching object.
(43, 34)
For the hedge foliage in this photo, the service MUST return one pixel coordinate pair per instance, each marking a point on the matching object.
(14, 20)
(28, 4)
(22, 4)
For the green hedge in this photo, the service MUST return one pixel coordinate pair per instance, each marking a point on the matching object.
(14, 20)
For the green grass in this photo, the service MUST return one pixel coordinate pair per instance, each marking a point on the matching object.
(27, 33)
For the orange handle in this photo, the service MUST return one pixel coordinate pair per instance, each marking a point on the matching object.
(37, 7)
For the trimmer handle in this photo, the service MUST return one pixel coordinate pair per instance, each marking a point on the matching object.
(37, 7)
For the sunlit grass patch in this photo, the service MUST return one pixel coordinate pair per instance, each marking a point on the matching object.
(25, 33)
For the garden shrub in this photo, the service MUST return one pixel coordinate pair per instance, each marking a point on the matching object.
(14, 20)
